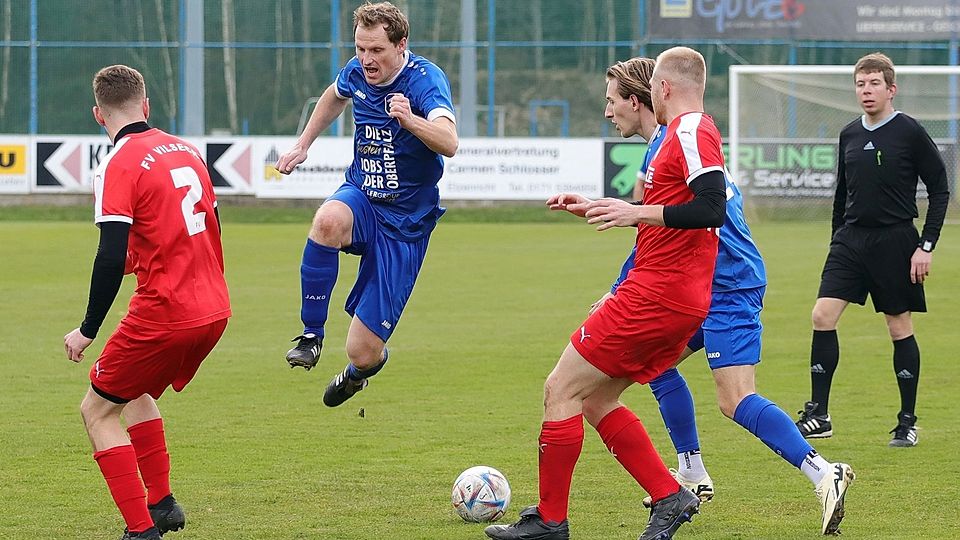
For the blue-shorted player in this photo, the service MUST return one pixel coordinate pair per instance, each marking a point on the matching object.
(389, 204)
(730, 334)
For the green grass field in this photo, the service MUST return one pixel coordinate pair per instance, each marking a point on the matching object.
(257, 456)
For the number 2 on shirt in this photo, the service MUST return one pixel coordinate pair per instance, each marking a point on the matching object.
(186, 176)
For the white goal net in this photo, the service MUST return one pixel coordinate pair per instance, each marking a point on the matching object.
(785, 120)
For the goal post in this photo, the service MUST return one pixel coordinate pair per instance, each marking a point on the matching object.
(785, 120)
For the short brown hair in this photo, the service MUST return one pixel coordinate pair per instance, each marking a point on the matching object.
(385, 14)
(876, 63)
(117, 85)
(633, 78)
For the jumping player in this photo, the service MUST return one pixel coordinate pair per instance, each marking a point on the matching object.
(157, 214)
(389, 204)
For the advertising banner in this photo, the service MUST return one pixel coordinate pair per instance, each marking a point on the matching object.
(231, 164)
(843, 20)
(785, 168)
(483, 169)
(523, 169)
(66, 163)
(14, 164)
(316, 178)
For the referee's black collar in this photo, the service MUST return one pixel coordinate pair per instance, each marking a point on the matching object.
(136, 127)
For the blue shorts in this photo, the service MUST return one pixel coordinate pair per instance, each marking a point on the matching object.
(731, 331)
(388, 267)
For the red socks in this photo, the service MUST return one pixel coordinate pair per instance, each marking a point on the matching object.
(560, 445)
(119, 468)
(627, 440)
(152, 458)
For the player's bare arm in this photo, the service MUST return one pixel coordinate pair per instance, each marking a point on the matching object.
(574, 203)
(440, 135)
(327, 110)
(610, 212)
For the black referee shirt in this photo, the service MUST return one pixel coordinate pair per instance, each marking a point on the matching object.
(877, 171)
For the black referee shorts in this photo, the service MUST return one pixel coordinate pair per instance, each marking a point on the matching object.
(874, 260)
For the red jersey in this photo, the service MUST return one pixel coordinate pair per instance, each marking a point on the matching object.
(159, 184)
(674, 267)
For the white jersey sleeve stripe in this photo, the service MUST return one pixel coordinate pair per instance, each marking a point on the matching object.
(438, 112)
(687, 135)
(98, 179)
(122, 219)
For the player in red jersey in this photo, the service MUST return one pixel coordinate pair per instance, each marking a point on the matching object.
(156, 210)
(640, 332)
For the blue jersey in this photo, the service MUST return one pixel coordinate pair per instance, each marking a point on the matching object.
(739, 264)
(393, 168)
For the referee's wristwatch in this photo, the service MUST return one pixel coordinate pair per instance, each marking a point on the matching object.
(926, 245)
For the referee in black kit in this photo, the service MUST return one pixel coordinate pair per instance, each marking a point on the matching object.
(875, 247)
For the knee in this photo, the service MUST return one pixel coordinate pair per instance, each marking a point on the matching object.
(552, 392)
(364, 356)
(728, 407)
(595, 408)
(823, 319)
(89, 412)
(328, 229)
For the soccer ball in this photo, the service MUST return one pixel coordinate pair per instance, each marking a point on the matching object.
(480, 494)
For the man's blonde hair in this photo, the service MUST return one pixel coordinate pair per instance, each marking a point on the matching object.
(633, 78)
(876, 63)
(682, 64)
(118, 85)
(384, 14)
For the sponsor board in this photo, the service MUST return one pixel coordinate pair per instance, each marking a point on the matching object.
(788, 168)
(14, 166)
(316, 178)
(621, 167)
(231, 164)
(844, 20)
(66, 163)
(523, 169)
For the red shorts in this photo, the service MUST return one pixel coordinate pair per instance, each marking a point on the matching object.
(137, 361)
(634, 338)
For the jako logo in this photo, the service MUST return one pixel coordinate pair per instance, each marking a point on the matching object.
(767, 10)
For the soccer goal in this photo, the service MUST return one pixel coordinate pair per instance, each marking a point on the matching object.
(785, 120)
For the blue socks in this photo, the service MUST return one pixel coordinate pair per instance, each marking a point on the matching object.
(318, 274)
(356, 374)
(676, 408)
(770, 424)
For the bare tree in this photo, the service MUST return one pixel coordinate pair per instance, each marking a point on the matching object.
(229, 64)
(308, 78)
(536, 21)
(278, 62)
(588, 60)
(171, 94)
(5, 75)
(611, 32)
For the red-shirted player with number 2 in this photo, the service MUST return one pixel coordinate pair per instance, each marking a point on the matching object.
(156, 210)
(639, 332)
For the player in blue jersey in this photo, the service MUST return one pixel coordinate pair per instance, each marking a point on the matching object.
(730, 334)
(389, 204)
